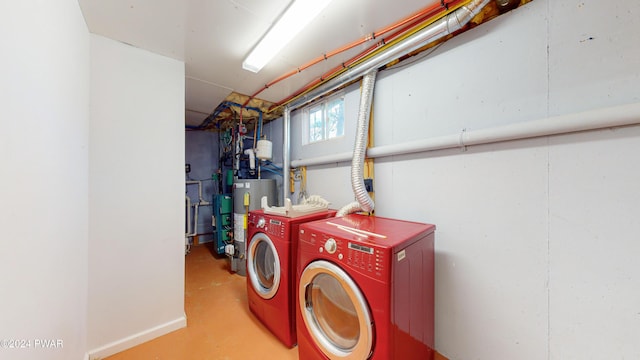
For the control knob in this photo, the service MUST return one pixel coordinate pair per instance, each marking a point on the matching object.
(261, 222)
(331, 246)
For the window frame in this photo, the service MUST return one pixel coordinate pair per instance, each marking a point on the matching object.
(323, 107)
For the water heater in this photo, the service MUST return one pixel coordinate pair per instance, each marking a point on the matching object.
(247, 194)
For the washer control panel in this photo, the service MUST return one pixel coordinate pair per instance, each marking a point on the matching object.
(268, 225)
(274, 227)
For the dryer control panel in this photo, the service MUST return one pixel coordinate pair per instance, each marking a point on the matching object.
(368, 259)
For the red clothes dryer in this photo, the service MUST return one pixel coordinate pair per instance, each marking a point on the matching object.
(365, 289)
(271, 268)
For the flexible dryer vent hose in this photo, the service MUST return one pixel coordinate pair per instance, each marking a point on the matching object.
(364, 201)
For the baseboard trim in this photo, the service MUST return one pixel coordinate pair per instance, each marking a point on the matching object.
(137, 339)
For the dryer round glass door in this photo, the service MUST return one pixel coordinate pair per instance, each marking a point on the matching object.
(335, 312)
(263, 266)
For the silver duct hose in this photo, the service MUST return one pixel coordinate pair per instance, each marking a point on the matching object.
(439, 29)
(364, 201)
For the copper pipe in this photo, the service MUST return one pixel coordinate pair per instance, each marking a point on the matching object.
(412, 20)
(437, 28)
(335, 71)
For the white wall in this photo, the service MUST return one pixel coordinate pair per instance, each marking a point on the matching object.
(44, 120)
(136, 218)
(536, 239)
(594, 273)
(55, 208)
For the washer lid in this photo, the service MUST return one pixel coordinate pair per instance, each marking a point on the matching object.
(263, 266)
(335, 312)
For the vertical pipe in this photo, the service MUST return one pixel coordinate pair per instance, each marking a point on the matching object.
(195, 219)
(260, 125)
(286, 151)
(188, 206)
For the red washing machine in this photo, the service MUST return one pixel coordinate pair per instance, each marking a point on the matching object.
(271, 266)
(365, 289)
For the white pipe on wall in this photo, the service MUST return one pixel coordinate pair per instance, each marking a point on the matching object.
(615, 116)
(191, 232)
(195, 220)
(196, 205)
(252, 158)
(602, 118)
(201, 201)
(320, 160)
(188, 207)
(286, 146)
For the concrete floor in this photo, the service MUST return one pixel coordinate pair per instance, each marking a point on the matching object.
(219, 323)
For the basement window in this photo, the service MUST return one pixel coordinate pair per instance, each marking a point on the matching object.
(324, 120)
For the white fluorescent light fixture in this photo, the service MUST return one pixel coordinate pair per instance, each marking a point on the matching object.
(295, 18)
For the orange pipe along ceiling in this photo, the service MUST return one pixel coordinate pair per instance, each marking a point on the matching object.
(438, 11)
(403, 25)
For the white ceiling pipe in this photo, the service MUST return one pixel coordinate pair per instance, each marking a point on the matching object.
(603, 118)
(439, 29)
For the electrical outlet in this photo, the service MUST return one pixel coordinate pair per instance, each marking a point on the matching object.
(368, 185)
(187, 168)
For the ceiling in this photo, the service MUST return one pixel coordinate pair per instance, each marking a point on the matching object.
(213, 37)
